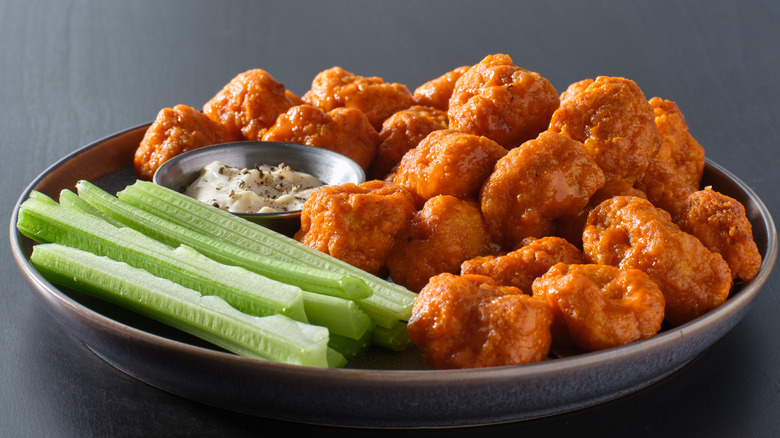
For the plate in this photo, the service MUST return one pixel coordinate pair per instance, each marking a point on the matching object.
(383, 389)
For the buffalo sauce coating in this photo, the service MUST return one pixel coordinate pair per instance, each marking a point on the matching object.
(175, 131)
(520, 267)
(629, 232)
(401, 132)
(356, 223)
(502, 101)
(377, 99)
(470, 321)
(248, 104)
(438, 238)
(437, 92)
(343, 130)
(536, 183)
(614, 121)
(599, 306)
(448, 162)
(721, 224)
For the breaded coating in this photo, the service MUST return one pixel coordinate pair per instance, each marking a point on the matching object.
(175, 131)
(721, 223)
(629, 232)
(437, 92)
(676, 169)
(519, 268)
(448, 162)
(536, 183)
(343, 130)
(250, 103)
(336, 87)
(599, 306)
(447, 231)
(470, 321)
(502, 101)
(356, 223)
(403, 131)
(574, 89)
(614, 121)
(570, 226)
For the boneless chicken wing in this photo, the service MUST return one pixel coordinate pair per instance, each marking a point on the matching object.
(721, 223)
(377, 99)
(401, 132)
(535, 183)
(675, 170)
(502, 101)
(447, 231)
(448, 162)
(615, 122)
(519, 268)
(629, 232)
(356, 223)
(250, 103)
(599, 306)
(470, 321)
(174, 131)
(343, 130)
(437, 92)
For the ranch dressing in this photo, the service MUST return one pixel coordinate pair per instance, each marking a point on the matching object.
(262, 189)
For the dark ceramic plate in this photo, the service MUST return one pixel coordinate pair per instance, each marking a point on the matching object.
(383, 389)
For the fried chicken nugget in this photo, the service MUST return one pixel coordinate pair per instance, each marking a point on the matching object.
(448, 162)
(403, 131)
(175, 131)
(519, 268)
(250, 103)
(543, 179)
(336, 87)
(676, 169)
(629, 232)
(470, 321)
(720, 222)
(437, 92)
(570, 226)
(599, 306)
(447, 231)
(615, 122)
(343, 130)
(502, 101)
(356, 223)
(574, 89)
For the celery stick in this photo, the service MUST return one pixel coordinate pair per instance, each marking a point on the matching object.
(336, 359)
(275, 337)
(395, 338)
(340, 316)
(43, 220)
(69, 199)
(390, 300)
(287, 271)
(348, 347)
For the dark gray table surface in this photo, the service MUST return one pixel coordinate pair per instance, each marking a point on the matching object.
(75, 71)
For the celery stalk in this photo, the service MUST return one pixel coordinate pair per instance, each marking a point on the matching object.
(390, 301)
(348, 347)
(43, 220)
(395, 338)
(340, 316)
(71, 200)
(164, 230)
(275, 337)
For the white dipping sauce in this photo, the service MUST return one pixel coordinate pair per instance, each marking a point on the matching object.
(262, 189)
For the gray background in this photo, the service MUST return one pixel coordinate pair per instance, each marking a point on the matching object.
(72, 72)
